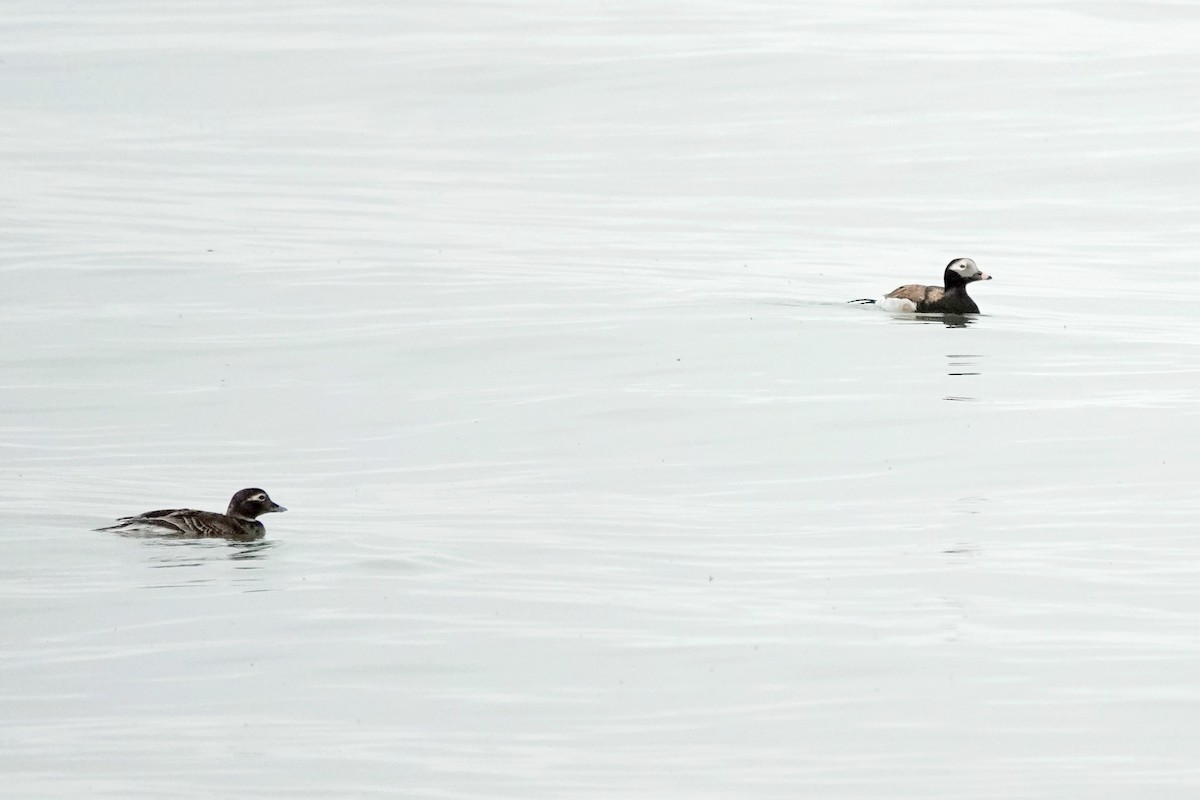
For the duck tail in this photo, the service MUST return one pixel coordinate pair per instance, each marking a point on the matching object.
(864, 301)
(122, 524)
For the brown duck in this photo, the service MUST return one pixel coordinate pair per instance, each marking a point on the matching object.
(240, 520)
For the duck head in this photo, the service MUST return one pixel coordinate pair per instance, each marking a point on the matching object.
(251, 504)
(962, 271)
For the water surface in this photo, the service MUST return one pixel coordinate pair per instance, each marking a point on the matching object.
(534, 319)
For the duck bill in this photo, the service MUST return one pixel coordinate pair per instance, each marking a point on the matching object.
(275, 507)
(983, 276)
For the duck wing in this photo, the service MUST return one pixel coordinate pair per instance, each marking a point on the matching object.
(917, 293)
(160, 518)
(180, 520)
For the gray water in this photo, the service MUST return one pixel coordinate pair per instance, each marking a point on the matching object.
(533, 315)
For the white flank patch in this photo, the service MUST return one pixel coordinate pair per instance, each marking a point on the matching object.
(897, 304)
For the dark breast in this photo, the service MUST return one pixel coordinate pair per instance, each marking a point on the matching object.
(952, 302)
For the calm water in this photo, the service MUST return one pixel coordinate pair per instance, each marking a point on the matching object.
(533, 317)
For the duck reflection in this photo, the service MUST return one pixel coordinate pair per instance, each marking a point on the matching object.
(949, 320)
(183, 552)
(191, 561)
(198, 561)
(962, 365)
(249, 551)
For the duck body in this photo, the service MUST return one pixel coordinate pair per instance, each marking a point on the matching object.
(239, 522)
(950, 298)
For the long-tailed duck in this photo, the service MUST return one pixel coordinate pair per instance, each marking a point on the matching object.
(240, 520)
(951, 298)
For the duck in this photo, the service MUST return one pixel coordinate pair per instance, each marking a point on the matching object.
(239, 522)
(949, 298)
